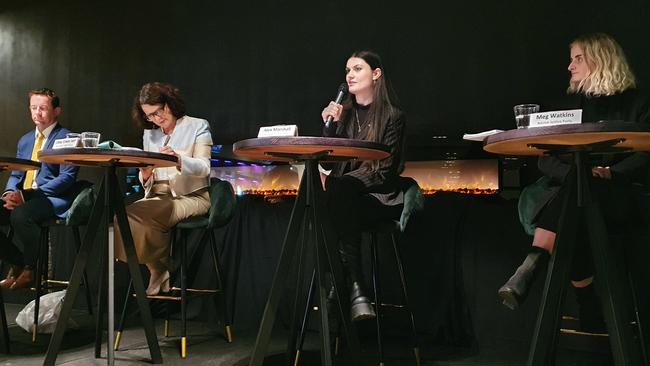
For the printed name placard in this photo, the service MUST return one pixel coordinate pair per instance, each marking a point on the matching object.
(278, 131)
(67, 142)
(555, 118)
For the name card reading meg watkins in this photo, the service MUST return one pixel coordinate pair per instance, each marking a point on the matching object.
(278, 131)
(555, 118)
(67, 142)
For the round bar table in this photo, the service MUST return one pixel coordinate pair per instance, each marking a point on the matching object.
(309, 217)
(109, 201)
(623, 317)
(14, 164)
(11, 163)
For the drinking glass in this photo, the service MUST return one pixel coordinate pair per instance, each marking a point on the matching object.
(523, 112)
(90, 139)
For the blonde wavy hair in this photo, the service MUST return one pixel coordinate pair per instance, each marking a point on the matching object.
(609, 72)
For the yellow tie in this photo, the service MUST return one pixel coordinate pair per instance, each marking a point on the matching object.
(31, 174)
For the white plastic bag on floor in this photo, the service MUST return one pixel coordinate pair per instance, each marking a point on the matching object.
(48, 313)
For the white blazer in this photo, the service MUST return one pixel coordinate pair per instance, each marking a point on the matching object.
(191, 139)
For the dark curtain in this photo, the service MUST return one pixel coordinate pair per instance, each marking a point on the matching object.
(457, 252)
(251, 244)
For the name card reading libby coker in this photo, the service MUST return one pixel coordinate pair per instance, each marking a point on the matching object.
(67, 142)
(278, 131)
(554, 118)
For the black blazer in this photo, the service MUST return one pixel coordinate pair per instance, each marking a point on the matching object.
(380, 176)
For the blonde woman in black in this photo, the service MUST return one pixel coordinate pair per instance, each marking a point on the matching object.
(604, 87)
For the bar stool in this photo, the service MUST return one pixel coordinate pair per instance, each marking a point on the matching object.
(413, 202)
(77, 216)
(222, 207)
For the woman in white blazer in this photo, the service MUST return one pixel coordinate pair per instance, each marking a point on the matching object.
(171, 194)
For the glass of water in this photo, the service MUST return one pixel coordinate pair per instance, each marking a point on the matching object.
(90, 139)
(523, 112)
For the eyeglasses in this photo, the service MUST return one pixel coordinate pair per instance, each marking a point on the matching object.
(157, 113)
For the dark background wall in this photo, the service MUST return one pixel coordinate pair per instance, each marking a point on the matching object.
(457, 68)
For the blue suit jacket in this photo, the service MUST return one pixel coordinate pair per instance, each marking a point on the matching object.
(56, 182)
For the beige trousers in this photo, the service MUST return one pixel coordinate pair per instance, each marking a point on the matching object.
(151, 220)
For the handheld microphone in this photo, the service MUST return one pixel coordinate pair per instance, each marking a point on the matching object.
(343, 91)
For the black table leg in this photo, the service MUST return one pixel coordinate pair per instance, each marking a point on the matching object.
(108, 197)
(639, 314)
(292, 348)
(321, 299)
(328, 260)
(305, 319)
(103, 265)
(328, 244)
(4, 332)
(609, 270)
(546, 328)
(279, 279)
(136, 276)
(101, 291)
(613, 288)
(308, 208)
(75, 278)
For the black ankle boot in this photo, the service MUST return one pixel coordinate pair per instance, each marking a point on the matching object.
(350, 252)
(590, 311)
(514, 292)
(361, 308)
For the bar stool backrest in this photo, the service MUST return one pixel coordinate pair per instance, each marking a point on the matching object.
(82, 205)
(222, 203)
(413, 200)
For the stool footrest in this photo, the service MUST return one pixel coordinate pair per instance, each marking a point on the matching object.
(58, 282)
(197, 290)
(164, 297)
(161, 297)
(570, 325)
(384, 305)
(572, 338)
(578, 332)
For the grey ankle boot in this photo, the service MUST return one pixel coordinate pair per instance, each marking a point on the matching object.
(514, 292)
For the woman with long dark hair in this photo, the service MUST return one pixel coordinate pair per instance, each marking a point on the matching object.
(360, 193)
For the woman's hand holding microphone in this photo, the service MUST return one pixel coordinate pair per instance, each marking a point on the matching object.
(333, 110)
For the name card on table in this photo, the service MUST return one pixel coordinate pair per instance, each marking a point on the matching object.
(67, 142)
(555, 118)
(278, 131)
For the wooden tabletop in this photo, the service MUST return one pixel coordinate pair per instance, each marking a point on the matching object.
(107, 157)
(634, 137)
(12, 163)
(300, 148)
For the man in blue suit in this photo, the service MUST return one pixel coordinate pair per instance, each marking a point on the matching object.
(33, 197)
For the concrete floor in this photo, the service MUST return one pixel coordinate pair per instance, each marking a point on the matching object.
(206, 346)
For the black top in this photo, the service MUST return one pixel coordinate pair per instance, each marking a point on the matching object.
(377, 176)
(628, 106)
